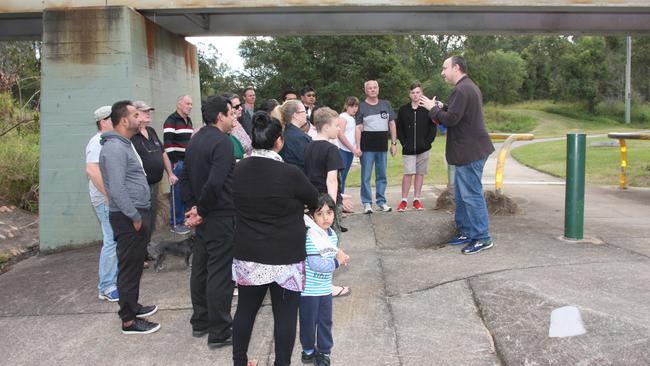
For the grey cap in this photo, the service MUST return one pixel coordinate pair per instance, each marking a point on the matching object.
(142, 106)
(102, 112)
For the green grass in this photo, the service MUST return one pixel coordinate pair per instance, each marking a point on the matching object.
(556, 119)
(508, 121)
(394, 170)
(602, 163)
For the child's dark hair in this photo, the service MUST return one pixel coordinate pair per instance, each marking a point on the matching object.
(323, 199)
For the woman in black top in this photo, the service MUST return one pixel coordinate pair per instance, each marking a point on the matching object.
(269, 198)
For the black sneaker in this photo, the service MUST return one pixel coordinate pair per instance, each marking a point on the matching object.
(140, 326)
(219, 343)
(199, 333)
(307, 357)
(146, 311)
(477, 245)
(322, 359)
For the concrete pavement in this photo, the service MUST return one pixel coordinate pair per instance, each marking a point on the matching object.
(415, 301)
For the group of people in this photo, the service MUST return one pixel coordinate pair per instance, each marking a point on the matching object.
(246, 173)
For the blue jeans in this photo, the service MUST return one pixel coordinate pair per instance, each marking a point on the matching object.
(179, 214)
(316, 323)
(471, 211)
(108, 255)
(378, 158)
(347, 158)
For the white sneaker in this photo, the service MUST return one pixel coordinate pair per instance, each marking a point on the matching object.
(384, 207)
(367, 208)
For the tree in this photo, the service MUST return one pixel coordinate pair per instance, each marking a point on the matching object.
(500, 75)
(335, 66)
(581, 72)
(215, 76)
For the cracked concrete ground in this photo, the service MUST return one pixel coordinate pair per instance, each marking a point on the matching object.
(414, 301)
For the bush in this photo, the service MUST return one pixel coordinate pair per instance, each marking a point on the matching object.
(498, 120)
(19, 149)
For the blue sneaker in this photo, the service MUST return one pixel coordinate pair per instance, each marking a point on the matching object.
(477, 246)
(113, 296)
(460, 240)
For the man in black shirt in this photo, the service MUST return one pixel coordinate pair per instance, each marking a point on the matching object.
(206, 183)
(152, 154)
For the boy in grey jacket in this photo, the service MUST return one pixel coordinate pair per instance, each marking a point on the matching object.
(129, 201)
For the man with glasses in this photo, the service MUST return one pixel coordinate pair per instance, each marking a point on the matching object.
(308, 98)
(154, 160)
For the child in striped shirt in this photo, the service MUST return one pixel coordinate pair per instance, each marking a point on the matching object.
(323, 257)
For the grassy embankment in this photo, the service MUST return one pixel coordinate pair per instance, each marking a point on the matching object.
(546, 119)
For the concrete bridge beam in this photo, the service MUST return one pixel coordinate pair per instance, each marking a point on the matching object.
(94, 57)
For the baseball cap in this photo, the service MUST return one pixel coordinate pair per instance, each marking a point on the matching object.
(142, 106)
(102, 113)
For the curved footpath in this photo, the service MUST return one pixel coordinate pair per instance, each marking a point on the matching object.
(414, 301)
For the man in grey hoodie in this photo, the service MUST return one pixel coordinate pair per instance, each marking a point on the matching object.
(129, 202)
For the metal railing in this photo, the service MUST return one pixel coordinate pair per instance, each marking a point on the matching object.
(622, 136)
(503, 153)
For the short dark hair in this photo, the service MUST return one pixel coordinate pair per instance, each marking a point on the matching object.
(323, 200)
(247, 89)
(287, 92)
(415, 84)
(119, 110)
(306, 89)
(230, 96)
(266, 130)
(268, 105)
(460, 61)
(214, 105)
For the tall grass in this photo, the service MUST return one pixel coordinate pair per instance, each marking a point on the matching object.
(500, 120)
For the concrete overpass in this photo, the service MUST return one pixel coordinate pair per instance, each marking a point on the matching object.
(96, 52)
(24, 18)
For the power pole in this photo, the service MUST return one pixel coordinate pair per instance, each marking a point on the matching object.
(628, 77)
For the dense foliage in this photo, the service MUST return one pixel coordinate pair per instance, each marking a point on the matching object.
(586, 70)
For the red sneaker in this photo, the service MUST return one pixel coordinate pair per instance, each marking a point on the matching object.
(417, 205)
(402, 206)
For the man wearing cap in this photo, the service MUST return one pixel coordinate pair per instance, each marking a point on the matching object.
(108, 257)
(154, 160)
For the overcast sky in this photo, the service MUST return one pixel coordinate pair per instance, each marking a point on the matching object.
(227, 46)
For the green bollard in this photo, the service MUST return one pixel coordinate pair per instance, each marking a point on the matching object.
(574, 203)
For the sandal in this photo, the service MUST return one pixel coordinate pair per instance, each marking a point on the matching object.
(341, 291)
(252, 363)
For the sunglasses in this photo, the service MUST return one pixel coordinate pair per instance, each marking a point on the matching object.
(310, 95)
(236, 106)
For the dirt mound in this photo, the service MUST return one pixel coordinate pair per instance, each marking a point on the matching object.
(498, 204)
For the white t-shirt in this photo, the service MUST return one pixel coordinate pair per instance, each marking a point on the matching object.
(92, 156)
(350, 126)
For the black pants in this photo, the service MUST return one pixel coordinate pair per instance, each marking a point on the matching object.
(131, 253)
(211, 284)
(285, 313)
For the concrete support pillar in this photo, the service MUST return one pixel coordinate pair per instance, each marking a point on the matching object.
(94, 57)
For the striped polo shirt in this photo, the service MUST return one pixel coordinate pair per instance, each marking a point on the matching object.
(176, 135)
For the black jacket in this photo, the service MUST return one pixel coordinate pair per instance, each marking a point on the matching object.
(206, 179)
(269, 197)
(467, 138)
(415, 129)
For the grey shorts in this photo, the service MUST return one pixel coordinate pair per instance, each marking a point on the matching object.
(416, 164)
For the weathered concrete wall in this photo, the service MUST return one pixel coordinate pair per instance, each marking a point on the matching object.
(15, 6)
(95, 57)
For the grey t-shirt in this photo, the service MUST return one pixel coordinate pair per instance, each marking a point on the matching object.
(375, 120)
(92, 156)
